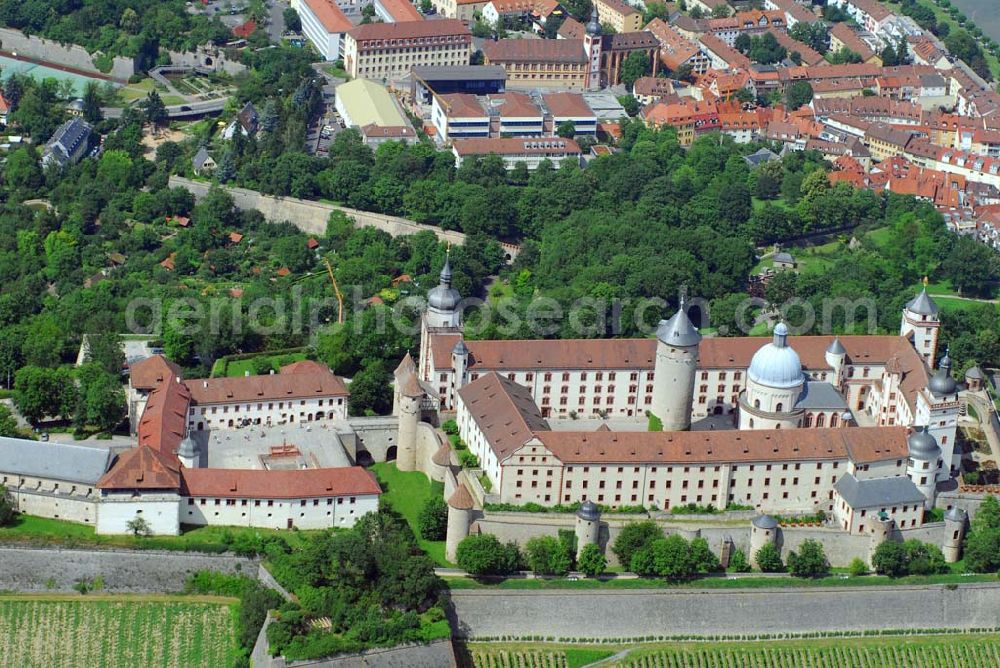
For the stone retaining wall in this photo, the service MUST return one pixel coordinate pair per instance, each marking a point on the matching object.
(67, 55)
(311, 217)
(45, 569)
(633, 614)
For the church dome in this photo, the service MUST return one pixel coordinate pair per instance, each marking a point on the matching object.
(444, 297)
(776, 364)
(923, 445)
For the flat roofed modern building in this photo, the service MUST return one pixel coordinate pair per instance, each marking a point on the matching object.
(459, 116)
(512, 151)
(387, 51)
(570, 108)
(473, 79)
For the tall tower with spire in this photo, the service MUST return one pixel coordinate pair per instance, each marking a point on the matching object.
(922, 325)
(592, 43)
(674, 371)
(441, 317)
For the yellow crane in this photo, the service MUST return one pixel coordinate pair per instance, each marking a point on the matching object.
(336, 290)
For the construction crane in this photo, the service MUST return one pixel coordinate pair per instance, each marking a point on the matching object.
(336, 290)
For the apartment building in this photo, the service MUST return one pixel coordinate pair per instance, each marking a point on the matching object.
(387, 51)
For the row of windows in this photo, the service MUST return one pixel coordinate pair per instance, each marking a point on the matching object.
(270, 406)
(270, 502)
(55, 486)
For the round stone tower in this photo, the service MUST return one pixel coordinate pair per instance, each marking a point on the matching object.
(954, 533)
(588, 526)
(881, 532)
(922, 464)
(460, 506)
(763, 530)
(406, 398)
(674, 370)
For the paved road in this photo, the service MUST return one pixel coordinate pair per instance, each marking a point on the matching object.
(276, 19)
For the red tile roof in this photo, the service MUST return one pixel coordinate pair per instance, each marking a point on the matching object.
(306, 379)
(330, 15)
(504, 411)
(402, 10)
(150, 372)
(409, 30)
(279, 484)
(535, 51)
(860, 444)
(244, 30)
(163, 423)
(142, 467)
(714, 353)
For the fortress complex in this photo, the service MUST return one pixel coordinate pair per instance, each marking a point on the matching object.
(850, 425)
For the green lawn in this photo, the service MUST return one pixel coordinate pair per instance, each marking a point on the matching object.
(68, 631)
(406, 493)
(31, 529)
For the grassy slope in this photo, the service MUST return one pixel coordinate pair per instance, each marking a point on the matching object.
(748, 582)
(406, 493)
(31, 529)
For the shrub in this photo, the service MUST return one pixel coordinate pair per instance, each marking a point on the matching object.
(669, 557)
(924, 558)
(449, 427)
(214, 582)
(7, 511)
(484, 554)
(704, 560)
(592, 561)
(857, 567)
(634, 537)
(769, 559)
(433, 519)
(890, 559)
(810, 560)
(738, 562)
(546, 555)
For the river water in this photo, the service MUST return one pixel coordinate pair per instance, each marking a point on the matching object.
(984, 13)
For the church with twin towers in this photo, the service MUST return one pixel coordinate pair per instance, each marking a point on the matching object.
(677, 418)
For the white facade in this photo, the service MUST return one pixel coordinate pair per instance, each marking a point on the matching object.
(458, 126)
(863, 521)
(309, 513)
(329, 44)
(270, 413)
(48, 498)
(158, 509)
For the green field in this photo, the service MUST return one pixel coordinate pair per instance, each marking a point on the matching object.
(947, 651)
(54, 631)
(406, 493)
(42, 530)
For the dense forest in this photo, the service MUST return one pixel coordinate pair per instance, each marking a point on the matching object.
(642, 223)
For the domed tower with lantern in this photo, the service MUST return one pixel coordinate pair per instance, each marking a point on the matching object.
(774, 384)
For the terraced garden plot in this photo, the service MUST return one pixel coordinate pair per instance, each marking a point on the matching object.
(70, 631)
